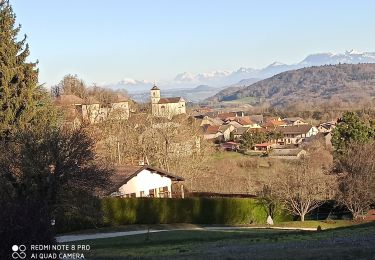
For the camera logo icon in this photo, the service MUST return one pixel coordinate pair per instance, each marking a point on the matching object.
(19, 252)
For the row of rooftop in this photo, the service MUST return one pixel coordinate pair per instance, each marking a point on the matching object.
(228, 128)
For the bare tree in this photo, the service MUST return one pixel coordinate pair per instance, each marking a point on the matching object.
(71, 84)
(357, 181)
(302, 187)
(269, 200)
(173, 145)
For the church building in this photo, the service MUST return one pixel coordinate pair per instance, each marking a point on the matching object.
(166, 107)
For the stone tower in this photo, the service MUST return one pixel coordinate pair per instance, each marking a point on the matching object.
(155, 95)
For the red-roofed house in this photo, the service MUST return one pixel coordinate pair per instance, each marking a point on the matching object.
(263, 146)
(218, 132)
(211, 132)
(227, 115)
(246, 121)
(273, 123)
(230, 146)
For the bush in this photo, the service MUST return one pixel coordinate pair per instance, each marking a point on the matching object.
(24, 221)
(119, 211)
(83, 211)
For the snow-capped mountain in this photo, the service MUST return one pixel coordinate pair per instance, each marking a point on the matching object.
(220, 78)
(351, 57)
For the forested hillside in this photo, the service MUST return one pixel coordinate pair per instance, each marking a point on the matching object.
(343, 82)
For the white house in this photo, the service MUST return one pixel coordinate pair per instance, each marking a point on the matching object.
(327, 127)
(142, 181)
(297, 133)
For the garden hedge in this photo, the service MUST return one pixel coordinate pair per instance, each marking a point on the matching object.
(121, 211)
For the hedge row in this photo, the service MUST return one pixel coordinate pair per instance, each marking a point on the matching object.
(120, 211)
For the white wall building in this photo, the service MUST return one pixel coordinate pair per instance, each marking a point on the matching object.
(90, 110)
(296, 134)
(166, 107)
(143, 181)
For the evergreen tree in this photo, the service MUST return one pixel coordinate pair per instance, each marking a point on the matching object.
(18, 78)
(24, 106)
(351, 129)
(248, 140)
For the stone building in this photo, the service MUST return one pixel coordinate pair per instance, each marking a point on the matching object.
(166, 107)
(90, 110)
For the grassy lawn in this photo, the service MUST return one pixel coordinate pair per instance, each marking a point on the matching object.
(134, 227)
(295, 224)
(315, 224)
(354, 242)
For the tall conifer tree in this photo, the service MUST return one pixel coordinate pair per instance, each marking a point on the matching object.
(18, 77)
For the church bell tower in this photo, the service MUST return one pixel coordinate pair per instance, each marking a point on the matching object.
(155, 95)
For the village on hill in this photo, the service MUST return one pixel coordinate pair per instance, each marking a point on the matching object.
(223, 130)
(283, 168)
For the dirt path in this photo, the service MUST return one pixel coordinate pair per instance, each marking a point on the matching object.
(79, 237)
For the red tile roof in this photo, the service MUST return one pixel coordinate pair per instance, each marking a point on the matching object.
(212, 129)
(223, 116)
(169, 100)
(244, 120)
(273, 123)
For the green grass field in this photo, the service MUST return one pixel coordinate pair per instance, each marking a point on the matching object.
(352, 242)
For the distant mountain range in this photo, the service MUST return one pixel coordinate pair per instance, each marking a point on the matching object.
(219, 79)
(196, 94)
(342, 82)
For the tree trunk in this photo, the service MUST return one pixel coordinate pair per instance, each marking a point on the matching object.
(356, 215)
(302, 217)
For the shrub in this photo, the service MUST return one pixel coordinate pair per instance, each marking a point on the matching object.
(119, 211)
(24, 221)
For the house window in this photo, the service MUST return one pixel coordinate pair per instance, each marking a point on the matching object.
(141, 193)
(165, 189)
(163, 192)
(133, 195)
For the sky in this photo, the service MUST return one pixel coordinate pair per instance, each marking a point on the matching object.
(107, 41)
